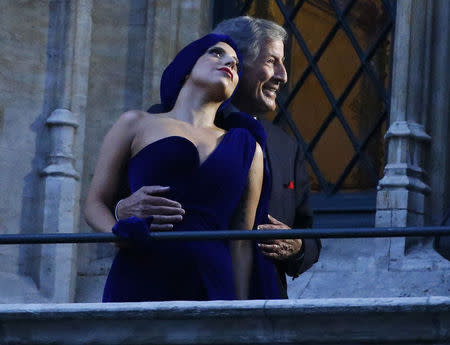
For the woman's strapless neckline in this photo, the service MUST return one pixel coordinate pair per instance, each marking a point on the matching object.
(182, 140)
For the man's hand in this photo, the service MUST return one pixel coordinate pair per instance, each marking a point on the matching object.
(146, 202)
(278, 249)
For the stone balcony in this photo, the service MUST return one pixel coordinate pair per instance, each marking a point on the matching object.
(415, 320)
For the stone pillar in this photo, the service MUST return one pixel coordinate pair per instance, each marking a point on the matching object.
(56, 280)
(67, 101)
(402, 190)
(439, 110)
(417, 139)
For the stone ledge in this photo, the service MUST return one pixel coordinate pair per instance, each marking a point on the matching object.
(328, 321)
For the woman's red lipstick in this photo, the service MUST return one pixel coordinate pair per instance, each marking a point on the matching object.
(228, 71)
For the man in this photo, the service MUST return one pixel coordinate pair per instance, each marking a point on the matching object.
(261, 43)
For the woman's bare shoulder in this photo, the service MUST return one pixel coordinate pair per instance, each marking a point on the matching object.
(133, 118)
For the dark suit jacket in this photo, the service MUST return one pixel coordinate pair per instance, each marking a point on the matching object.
(289, 202)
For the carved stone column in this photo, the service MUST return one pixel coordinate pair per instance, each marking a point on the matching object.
(56, 280)
(402, 190)
(413, 189)
(67, 100)
(439, 112)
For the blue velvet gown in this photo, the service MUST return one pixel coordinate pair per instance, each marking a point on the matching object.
(209, 192)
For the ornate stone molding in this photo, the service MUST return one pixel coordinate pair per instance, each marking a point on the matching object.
(62, 124)
(404, 129)
(406, 141)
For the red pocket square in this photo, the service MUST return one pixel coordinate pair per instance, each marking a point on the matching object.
(289, 185)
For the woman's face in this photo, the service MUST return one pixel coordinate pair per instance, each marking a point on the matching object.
(217, 67)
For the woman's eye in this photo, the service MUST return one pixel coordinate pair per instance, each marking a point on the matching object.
(216, 52)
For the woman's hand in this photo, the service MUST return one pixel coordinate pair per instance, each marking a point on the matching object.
(146, 202)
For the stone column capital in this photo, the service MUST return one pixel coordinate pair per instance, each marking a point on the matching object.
(62, 124)
(407, 129)
(62, 117)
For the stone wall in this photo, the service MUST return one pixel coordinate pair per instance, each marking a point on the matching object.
(24, 107)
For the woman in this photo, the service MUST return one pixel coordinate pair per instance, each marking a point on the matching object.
(216, 175)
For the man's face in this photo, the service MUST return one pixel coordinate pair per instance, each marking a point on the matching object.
(261, 80)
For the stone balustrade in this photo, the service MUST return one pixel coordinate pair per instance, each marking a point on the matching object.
(420, 320)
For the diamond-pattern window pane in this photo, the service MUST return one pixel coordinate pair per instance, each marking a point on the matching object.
(338, 63)
(333, 151)
(314, 106)
(362, 107)
(312, 16)
(336, 100)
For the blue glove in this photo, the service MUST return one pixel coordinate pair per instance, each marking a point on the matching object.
(134, 229)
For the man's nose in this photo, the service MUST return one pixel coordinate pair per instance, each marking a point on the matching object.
(281, 74)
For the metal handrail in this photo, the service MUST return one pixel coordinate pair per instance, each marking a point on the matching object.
(52, 238)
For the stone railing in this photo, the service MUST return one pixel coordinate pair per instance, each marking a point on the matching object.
(327, 321)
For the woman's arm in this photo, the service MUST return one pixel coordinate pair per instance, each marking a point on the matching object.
(113, 156)
(244, 216)
(243, 219)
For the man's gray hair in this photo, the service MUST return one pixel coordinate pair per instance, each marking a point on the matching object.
(250, 33)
